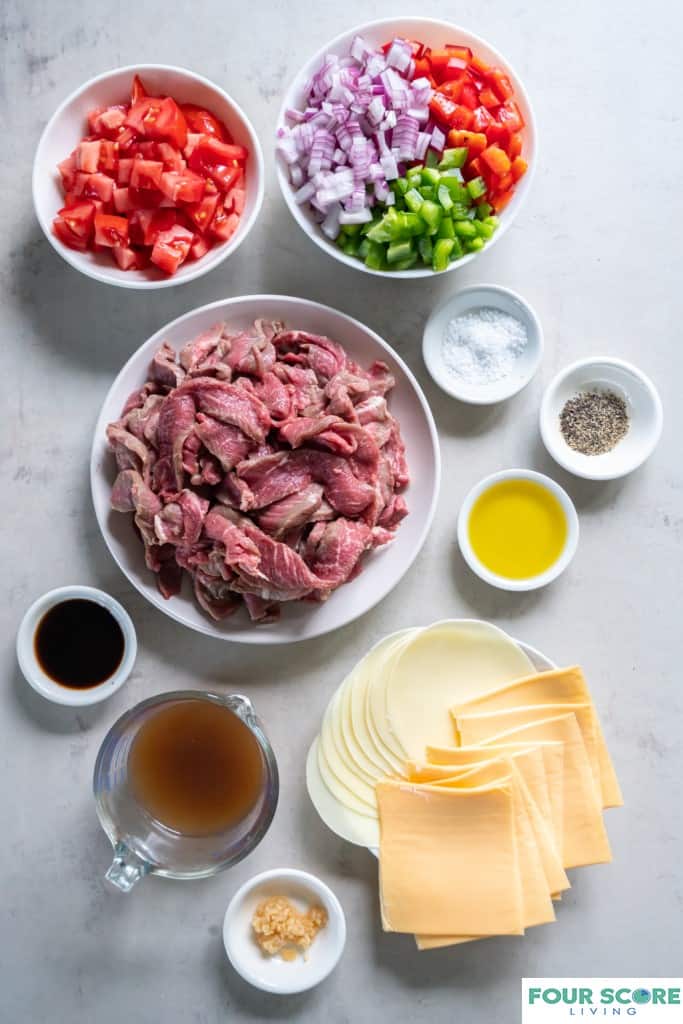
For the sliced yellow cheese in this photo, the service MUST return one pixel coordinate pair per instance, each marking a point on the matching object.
(537, 906)
(447, 663)
(448, 859)
(482, 723)
(558, 686)
(349, 825)
(584, 838)
(529, 761)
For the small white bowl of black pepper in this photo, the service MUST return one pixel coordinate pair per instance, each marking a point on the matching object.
(601, 418)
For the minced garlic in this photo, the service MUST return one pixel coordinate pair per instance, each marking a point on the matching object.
(280, 928)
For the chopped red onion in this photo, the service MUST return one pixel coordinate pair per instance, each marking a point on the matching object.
(438, 140)
(365, 118)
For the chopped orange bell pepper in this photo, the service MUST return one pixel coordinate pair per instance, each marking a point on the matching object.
(498, 160)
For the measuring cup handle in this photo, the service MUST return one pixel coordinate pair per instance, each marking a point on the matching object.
(126, 868)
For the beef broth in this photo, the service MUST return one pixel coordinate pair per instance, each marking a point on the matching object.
(79, 644)
(196, 767)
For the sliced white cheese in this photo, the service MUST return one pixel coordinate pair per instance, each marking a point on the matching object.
(347, 824)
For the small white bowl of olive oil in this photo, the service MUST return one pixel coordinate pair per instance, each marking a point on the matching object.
(518, 529)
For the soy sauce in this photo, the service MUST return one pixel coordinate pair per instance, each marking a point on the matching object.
(196, 767)
(79, 644)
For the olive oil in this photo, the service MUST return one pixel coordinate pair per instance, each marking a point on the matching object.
(517, 529)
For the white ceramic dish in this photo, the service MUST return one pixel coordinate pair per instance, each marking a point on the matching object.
(272, 973)
(433, 33)
(382, 568)
(540, 662)
(532, 582)
(33, 672)
(464, 301)
(644, 405)
(67, 127)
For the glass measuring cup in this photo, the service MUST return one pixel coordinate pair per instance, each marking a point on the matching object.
(143, 845)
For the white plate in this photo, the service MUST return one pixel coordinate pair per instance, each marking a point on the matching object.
(383, 568)
(540, 662)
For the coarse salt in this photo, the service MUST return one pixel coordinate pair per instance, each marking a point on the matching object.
(482, 345)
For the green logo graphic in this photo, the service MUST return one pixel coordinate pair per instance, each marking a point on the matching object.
(641, 996)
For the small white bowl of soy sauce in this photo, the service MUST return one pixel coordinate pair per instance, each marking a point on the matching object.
(76, 646)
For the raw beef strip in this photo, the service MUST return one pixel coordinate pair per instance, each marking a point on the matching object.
(180, 521)
(130, 452)
(130, 493)
(343, 391)
(223, 440)
(272, 477)
(229, 403)
(176, 420)
(143, 420)
(393, 513)
(235, 493)
(277, 397)
(215, 597)
(260, 609)
(344, 491)
(334, 549)
(295, 510)
(324, 356)
(241, 553)
(381, 378)
(199, 349)
(308, 397)
(283, 570)
(164, 369)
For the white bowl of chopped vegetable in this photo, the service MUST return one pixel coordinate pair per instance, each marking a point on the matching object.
(601, 418)
(405, 146)
(483, 344)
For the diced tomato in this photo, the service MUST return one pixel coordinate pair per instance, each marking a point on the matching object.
(110, 230)
(199, 247)
(88, 156)
(469, 96)
(172, 248)
(122, 203)
(203, 123)
(481, 120)
(123, 170)
(130, 259)
(138, 91)
(79, 218)
(510, 116)
(496, 159)
(156, 118)
(109, 156)
(500, 83)
(65, 235)
(519, 168)
(97, 186)
(171, 157)
(67, 172)
(202, 213)
(235, 200)
(187, 187)
(107, 122)
(128, 189)
(146, 173)
(475, 141)
(488, 98)
(515, 146)
(224, 225)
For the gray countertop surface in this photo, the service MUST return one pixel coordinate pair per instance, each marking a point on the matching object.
(597, 251)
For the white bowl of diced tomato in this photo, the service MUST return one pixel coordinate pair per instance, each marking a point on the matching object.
(395, 95)
(147, 176)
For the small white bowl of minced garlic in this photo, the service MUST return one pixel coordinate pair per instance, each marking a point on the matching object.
(284, 931)
(601, 418)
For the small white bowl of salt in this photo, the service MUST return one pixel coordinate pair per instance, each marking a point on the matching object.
(483, 345)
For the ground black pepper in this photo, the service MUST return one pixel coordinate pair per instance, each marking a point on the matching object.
(593, 422)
